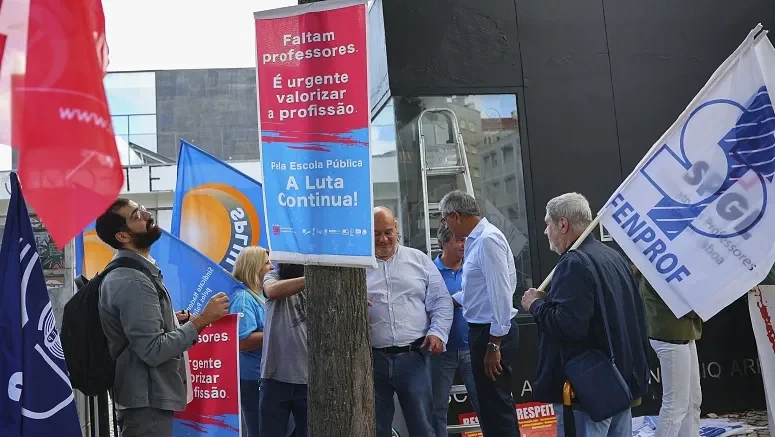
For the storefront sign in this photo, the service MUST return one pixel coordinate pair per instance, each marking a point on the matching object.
(214, 410)
(314, 121)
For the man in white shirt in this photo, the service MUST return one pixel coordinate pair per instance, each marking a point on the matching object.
(489, 282)
(409, 318)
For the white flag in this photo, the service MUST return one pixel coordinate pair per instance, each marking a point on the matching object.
(697, 216)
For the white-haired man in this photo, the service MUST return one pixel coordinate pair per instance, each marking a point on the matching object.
(489, 282)
(570, 318)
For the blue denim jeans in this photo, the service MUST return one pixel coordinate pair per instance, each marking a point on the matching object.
(277, 401)
(617, 426)
(408, 375)
(443, 368)
(248, 391)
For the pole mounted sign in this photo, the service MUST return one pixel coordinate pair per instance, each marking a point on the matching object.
(313, 106)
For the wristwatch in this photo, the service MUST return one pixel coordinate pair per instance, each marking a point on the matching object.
(492, 347)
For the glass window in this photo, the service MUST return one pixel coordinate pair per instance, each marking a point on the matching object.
(511, 184)
(147, 141)
(120, 125)
(142, 124)
(488, 128)
(508, 156)
(384, 161)
(131, 93)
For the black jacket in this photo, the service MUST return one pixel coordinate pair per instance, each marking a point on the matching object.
(569, 320)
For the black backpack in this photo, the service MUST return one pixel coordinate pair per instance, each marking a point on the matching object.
(91, 368)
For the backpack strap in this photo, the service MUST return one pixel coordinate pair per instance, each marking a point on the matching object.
(131, 263)
(126, 262)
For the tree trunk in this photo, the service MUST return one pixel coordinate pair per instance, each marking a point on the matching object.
(341, 378)
(341, 381)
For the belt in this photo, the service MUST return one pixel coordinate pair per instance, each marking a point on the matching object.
(392, 350)
(478, 325)
(486, 325)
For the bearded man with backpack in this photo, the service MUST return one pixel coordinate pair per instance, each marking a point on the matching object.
(145, 337)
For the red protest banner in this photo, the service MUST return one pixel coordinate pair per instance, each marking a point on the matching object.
(214, 362)
(59, 118)
(536, 419)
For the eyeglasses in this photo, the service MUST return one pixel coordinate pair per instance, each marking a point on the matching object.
(140, 213)
(444, 219)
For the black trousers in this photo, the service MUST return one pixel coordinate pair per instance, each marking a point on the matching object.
(498, 417)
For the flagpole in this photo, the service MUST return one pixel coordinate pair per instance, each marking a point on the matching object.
(754, 36)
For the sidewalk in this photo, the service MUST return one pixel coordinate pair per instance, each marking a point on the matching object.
(755, 418)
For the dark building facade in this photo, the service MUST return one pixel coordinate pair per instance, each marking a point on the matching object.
(595, 85)
(215, 108)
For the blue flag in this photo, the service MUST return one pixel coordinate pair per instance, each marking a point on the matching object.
(218, 209)
(191, 277)
(39, 399)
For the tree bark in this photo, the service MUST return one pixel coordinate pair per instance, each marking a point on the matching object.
(341, 381)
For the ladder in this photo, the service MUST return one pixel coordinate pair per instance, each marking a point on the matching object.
(442, 161)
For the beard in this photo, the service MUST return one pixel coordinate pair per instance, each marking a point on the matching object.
(144, 240)
(552, 247)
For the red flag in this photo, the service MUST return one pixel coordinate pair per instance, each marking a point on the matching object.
(68, 161)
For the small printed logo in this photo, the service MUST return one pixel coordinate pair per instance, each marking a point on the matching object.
(276, 229)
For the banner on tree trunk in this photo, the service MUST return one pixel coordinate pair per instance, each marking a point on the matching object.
(313, 113)
(215, 409)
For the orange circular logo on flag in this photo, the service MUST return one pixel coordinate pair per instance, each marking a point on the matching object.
(219, 221)
(96, 254)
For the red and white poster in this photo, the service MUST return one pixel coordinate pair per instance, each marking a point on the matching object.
(536, 419)
(214, 363)
(761, 304)
(313, 106)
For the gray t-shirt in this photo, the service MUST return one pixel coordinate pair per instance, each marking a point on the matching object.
(285, 355)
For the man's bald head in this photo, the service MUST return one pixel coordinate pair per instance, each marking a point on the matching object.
(385, 232)
(384, 214)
